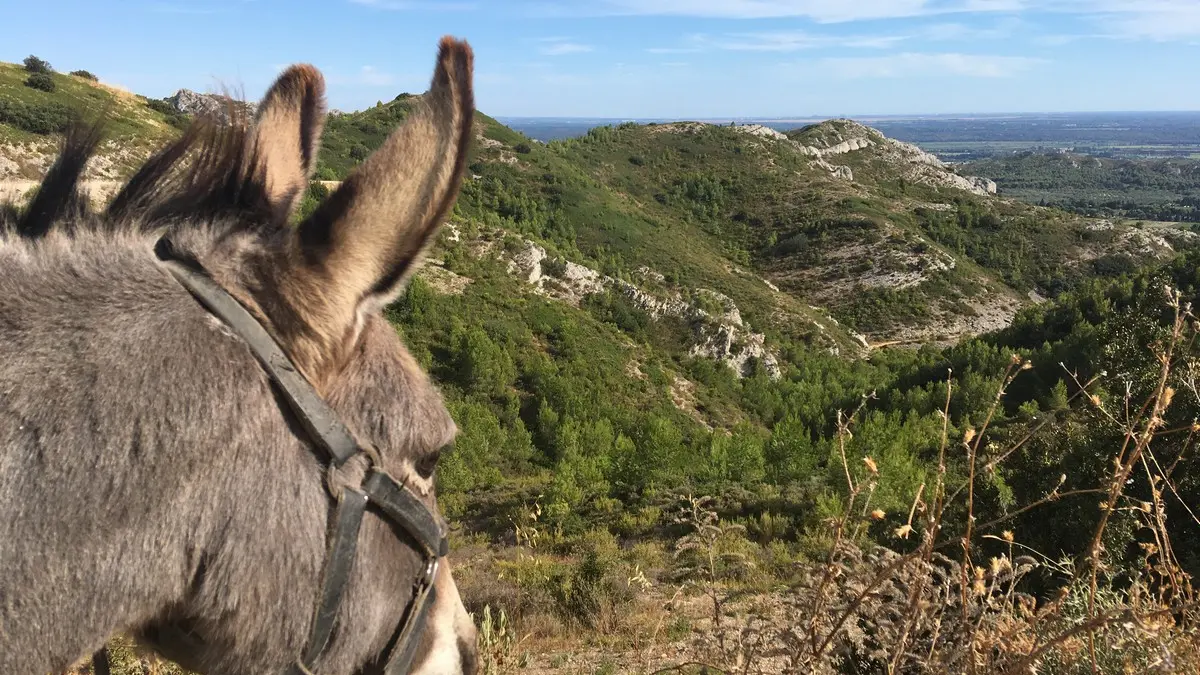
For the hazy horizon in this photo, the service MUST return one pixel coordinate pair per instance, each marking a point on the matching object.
(787, 118)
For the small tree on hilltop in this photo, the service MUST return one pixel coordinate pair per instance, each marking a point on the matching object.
(35, 65)
(85, 75)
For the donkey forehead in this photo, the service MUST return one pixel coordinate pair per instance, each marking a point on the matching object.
(389, 396)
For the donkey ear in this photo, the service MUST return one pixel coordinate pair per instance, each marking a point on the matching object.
(367, 238)
(287, 134)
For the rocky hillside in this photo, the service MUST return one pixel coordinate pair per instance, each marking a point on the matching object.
(31, 119)
(898, 161)
(894, 242)
(832, 236)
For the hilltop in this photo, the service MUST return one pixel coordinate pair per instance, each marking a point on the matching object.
(893, 242)
(31, 118)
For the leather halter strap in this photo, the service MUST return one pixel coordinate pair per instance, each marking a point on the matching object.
(321, 423)
(395, 501)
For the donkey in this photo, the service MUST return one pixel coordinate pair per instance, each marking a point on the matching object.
(152, 479)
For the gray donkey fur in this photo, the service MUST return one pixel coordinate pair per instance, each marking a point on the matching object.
(149, 474)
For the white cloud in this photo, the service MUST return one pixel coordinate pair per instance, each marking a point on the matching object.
(556, 48)
(400, 5)
(824, 11)
(959, 32)
(912, 64)
(1163, 20)
(1139, 19)
(778, 41)
(790, 41)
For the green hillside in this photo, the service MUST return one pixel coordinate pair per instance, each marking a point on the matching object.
(893, 243)
(30, 119)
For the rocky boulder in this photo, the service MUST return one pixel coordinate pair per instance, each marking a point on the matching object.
(188, 102)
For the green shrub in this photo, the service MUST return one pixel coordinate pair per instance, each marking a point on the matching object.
(36, 119)
(42, 81)
(554, 267)
(592, 591)
(174, 118)
(85, 75)
(313, 196)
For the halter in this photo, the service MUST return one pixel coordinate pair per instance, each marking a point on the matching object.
(395, 502)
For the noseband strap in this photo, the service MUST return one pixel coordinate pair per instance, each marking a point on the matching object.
(395, 502)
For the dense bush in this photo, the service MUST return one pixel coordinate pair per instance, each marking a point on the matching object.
(85, 75)
(313, 196)
(42, 81)
(38, 119)
(174, 117)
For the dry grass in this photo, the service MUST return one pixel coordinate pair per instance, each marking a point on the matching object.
(945, 606)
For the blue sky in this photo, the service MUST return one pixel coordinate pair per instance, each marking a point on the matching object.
(649, 58)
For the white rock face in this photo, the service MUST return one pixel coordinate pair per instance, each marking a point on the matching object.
(528, 262)
(760, 130)
(843, 172)
(730, 313)
(188, 102)
(736, 349)
(584, 280)
(647, 273)
(722, 337)
(911, 161)
(844, 147)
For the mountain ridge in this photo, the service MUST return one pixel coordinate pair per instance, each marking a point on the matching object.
(890, 239)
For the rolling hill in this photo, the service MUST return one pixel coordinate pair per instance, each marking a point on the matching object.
(30, 118)
(881, 236)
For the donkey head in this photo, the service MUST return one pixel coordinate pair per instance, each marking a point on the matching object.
(319, 287)
(188, 505)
